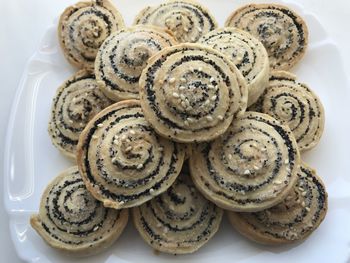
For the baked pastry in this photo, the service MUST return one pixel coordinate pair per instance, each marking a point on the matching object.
(188, 20)
(246, 52)
(83, 27)
(296, 105)
(300, 213)
(191, 93)
(179, 221)
(251, 167)
(188, 150)
(122, 57)
(282, 31)
(71, 220)
(76, 101)
(123, 162)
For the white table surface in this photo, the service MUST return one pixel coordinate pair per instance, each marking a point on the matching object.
(23, 23)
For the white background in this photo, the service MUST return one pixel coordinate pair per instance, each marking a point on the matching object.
(23, 23)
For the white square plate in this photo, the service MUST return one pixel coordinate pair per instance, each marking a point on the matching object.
(31, 161)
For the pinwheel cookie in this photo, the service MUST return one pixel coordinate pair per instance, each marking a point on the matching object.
(71, 220)
(294, 219)
(188, 20)
(294, 104)
(76, 101)
(83, 27)
(179, 221)
(251, 167)
(282, 31)
(123, 162)
(122, 57)
(191, 93)
(246, 52)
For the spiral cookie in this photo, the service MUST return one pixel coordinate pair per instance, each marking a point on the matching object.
(295, 105)
(188, 20)
(250, 168)
(191, 92)
(246, 52)
(71, 220)
(179, 221)
(122, 160)
(83, 27)
(294, 219)
(282, 31)
(76, 101)
(124, 55)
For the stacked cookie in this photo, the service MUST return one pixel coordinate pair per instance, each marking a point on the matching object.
(158, 122)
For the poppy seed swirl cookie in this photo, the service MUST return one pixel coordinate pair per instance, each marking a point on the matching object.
(179, 221)
(250, 168)
(83, 27)
(123, 162)
(122, 57)
(72, 221)
(296, 105)
(283, 32)
(191, 93)
(76, 101)
(188, 20)
(246, 52)
(294, 219)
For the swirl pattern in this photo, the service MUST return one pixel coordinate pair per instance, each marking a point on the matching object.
(191, 93)
(179, 221)
(294, 219)
(76, 101)
(71, 220)
(246, 52)
(295, 105)
(187, 19)
(283, 32)
(83, 27)
(124, 55)
(122, 160)
(250, 168)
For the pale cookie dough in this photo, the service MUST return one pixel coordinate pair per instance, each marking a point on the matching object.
(83, 27)
(70, 219)
(188, 20)
(294, 219)
(123, 162)
(294, 104)
(76, 101)
(179, 221)
(122, 57)
(247, 53)
(253, 166)
(191, 93)
(282, 31)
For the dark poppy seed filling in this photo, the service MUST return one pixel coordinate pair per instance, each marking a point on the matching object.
(187, 20)
(83, 27)
(123, 160)
(191, 92)
(295, 218)
(295, 105)
(246, 52)
(178, 221)
(76, 101)
(124, 55)
(250, 168)
(283, 33)
(70, 218)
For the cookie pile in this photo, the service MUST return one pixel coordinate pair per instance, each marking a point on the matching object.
(178, 120)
